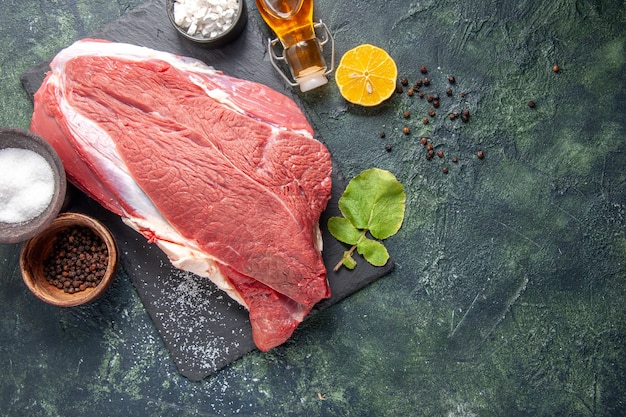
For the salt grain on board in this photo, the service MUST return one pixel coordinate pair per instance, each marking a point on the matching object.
(26, 185)
(207, 18)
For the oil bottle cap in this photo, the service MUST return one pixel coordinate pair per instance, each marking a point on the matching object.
(309, 82)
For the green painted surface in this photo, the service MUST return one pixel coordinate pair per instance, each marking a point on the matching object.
(508, 296)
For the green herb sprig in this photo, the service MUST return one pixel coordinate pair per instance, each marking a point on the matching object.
(372, 203)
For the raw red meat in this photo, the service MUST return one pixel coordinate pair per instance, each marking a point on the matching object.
(223, 174)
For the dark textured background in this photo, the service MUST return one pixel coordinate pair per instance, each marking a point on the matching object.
(508, 293)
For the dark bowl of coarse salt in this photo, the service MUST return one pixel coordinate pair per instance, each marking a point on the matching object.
(208, 23)
(32, 185)
(71, 262)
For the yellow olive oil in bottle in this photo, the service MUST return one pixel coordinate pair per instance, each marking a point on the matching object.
(292, 21)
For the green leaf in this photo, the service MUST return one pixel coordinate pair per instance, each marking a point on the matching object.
(348, 260)
(374, 200)
(343, 230)
(373, 251)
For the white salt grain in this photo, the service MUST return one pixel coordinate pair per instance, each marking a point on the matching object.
(207, 18)
(26, 185)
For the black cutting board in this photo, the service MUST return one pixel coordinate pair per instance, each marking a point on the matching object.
(203, 329)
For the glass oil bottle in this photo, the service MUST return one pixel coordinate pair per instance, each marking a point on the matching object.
(292, 22)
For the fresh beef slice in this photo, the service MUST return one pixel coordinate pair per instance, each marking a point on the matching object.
(223, 174)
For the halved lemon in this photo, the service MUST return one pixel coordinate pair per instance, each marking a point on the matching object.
(366, 75)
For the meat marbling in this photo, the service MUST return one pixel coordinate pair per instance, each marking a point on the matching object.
(224, 175)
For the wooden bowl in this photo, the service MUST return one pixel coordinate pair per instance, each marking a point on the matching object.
(36, 250)
(23, 139)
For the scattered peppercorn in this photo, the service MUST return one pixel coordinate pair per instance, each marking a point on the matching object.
(431, 112)
(426, 82)
(424, 140)
(449, 92)
(382, 134)
(556, 68)
(462, 94)
(445, 170)
(531, 104)
(421, 95)
(455, 159)
(425, 120)
(466, 113)
(388, 147)
(406, 130)
(78, 260)
(440, 154)
(399, 89)
(436, 103)
(410, 92)
(406, 114)
(451, 79)
(423, 69)
(452, 116)
(429, 98)
(429, 147)
(404, 82)
(428, 156)
(431, 154)
(480, 154)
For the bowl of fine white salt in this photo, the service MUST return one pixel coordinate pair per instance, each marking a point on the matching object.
(32, 185)
(210, 23)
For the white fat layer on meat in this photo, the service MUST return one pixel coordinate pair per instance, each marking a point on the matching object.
(319, 242)
(140, 53)
(131, 53)
(188, 257)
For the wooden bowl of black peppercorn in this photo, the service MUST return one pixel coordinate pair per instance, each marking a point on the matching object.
(71, 262)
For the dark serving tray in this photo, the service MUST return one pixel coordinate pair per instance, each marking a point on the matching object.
(203, 329)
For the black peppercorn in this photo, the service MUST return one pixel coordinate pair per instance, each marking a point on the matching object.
(423, 69)
(77, 254)
(451, 79)
(404, 82)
